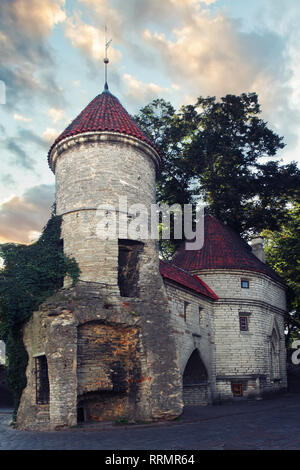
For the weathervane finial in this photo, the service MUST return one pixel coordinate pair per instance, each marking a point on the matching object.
(106, 60)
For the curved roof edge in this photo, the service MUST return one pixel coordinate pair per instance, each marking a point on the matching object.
(104, 113)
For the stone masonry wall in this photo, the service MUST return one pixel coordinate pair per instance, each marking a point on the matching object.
(227, 284)
(138, 364)
(244, 356)
(197, 332)
(87, 176)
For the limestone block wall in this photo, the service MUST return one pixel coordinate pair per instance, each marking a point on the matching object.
(196, 332)
(244, 356)
(91, 174)
(227, 284)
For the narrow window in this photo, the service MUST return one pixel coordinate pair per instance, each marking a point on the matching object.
(244, 284)
(244, 324)
(200, 313)
(42, 380)
(128, 267)
(185, 310)
(237, 389)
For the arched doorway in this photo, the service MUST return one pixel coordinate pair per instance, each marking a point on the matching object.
(195, 381)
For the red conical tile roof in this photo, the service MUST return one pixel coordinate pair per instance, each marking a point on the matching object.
(104, 113)
(222, 249)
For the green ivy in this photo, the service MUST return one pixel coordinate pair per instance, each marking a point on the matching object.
(30, 275)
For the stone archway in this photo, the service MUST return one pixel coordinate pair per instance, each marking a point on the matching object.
(195, 381)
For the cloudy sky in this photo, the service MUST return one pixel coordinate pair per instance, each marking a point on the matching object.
(52, 67)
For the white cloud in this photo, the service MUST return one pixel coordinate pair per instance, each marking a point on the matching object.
(50, 134)
(185, 3)
(26, 58)
(103, 10)
(89, 39)
(19, 117)
(23, 217)
(140, 92)
(34, 17)
(56, 114)
(211, 56)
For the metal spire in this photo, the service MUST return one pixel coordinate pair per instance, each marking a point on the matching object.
(106, 60)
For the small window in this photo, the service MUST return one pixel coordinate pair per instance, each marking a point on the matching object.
(245, 284)
(200, 313)
(244, 323)
(237, 389)
(185, 310)
(42, 380)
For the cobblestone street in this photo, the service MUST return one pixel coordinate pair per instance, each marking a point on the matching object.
(265, 424)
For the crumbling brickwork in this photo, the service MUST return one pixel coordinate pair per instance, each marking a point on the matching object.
(108, 368)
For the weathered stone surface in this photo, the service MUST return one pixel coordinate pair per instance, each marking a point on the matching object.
(107, 355)
(110, 356)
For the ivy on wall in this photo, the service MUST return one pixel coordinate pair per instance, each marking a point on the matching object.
(30, 275)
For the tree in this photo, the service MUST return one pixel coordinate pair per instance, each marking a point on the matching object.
(223, 152)
(214, 150)
(283, 253)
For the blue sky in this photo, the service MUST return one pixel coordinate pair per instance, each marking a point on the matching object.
(52, 67)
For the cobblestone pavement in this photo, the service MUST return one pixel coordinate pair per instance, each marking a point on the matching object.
(266, 424)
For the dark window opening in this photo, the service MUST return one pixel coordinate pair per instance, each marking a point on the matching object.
(237, 389)
(244, 325)
(128, 267)
(244, 284)
(80, 415)
(185, 310)
(200, 313)
(42, 380)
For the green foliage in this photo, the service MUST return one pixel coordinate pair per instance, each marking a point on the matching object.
(214, 151)
(30, 275)
(283, 253)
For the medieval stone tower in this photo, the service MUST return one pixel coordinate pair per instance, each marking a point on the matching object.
(105, 348)
(137, 338)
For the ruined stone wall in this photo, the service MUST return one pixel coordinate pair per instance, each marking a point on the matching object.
(108, 370)
(50, 332)
(244, 356)
(112, 356)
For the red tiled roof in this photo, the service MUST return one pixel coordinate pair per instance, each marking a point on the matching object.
(222, 249)
(178, 275)
(104, 113)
